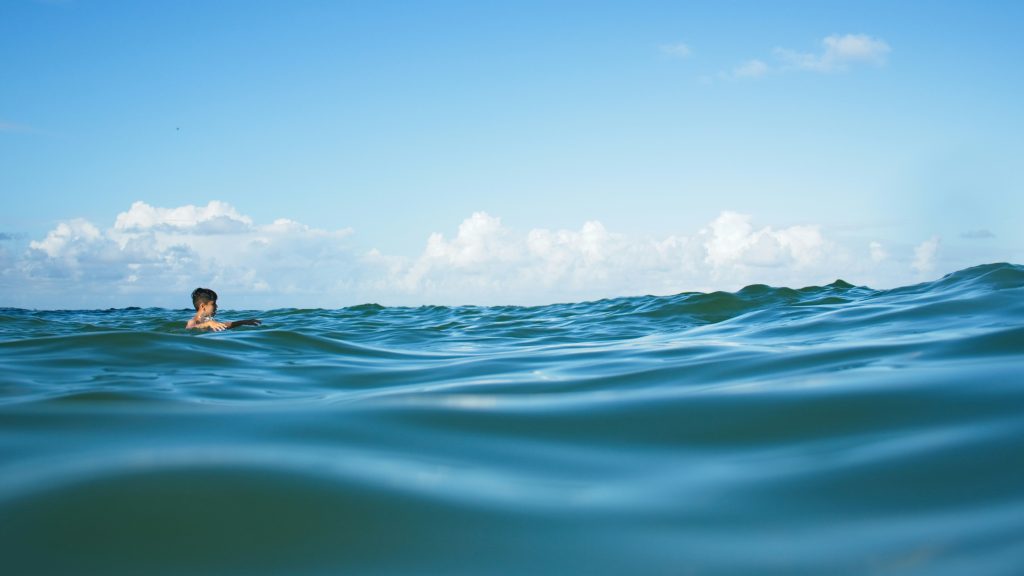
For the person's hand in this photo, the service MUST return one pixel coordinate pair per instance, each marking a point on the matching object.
(218, 326)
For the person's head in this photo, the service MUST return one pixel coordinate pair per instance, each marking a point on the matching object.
(206, 299)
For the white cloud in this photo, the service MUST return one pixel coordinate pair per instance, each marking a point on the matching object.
(855, 48)
(481, 239)
(152, 250)
(731, 240)
(878, 253)
(477, 256)
(924, 255)
(155, 256)
(215, 217)
(838, 52)
(486, 255)
(678, 50)
(68, 239)
(750, 69)
(488, 260)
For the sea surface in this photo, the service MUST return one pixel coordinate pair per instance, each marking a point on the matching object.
(825, 430)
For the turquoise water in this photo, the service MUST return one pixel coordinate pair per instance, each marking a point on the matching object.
(826, 430)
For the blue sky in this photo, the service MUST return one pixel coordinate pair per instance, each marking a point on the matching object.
(696, 140)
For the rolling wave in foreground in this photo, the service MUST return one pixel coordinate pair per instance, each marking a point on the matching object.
(825, 430)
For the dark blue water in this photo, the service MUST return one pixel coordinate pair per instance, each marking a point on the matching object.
(824, 430)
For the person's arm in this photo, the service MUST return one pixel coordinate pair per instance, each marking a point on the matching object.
(217, 326)
(210, 324)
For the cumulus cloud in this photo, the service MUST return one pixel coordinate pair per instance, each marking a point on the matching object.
(216, 218)
(838, 53)
(677, 50)
(480, 255)
(731, 240)
(153, 255)
(68, 239)
(483, 255)
(153, 250)
(924, 255)
(539, 265)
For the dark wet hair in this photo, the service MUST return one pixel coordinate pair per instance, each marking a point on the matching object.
(200, 295)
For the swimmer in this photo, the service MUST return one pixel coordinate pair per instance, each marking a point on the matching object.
(205, 302)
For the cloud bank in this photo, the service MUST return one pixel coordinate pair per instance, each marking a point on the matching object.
(151, 252)
(153, 255)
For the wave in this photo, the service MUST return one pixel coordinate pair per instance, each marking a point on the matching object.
(828, 429)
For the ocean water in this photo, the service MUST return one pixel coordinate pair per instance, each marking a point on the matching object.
(823, 430)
